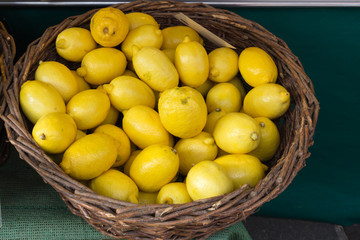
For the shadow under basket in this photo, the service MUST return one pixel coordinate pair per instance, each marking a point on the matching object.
(197, 219)
(7, 55)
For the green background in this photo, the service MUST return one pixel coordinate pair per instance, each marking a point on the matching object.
(326, 40)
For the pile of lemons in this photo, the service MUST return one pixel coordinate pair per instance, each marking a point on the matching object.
(150, 116)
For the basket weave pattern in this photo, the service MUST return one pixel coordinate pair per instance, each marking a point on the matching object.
(200, 218)
(7, 55)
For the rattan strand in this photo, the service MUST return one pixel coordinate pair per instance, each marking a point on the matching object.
(7, 55)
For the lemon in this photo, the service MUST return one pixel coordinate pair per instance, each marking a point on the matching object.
(257, 67)
(212, 119)
(154, 167)
(173, 193)
(242, 169)
(89, 156)
(224, 96)
(192, 62)
(128, 163)
(182, 111)
(236, 81)
(39, 98)
(143, 126)
(121, 139)
(112, 116)
(79, 134)
(125, 92)
(143, 36)
(73, 43)
(174, 35)
(102, 65)
(208, 179)
(54, 132)
(205, 87)
(170, 53)
(223, 64)
(109, 26)
(82, 84)
(270, 139)
(237, 133)
(117, 185)
(160, 74)
(88, 108)
(147, 198)
(137, 19)
(269, 100)
(196, 149)
(130, 73)
(59, 76)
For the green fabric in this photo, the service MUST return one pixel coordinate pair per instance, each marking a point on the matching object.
(33, 210)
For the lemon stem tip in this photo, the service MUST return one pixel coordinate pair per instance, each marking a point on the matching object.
(254, 136)
(42, 136)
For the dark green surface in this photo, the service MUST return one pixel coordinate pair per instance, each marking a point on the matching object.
(326, 40)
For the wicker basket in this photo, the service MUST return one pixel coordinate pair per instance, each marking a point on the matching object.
(7, 55)
(197, 219)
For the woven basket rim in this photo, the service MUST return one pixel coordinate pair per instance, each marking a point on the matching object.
(7, 56)
(199, 218)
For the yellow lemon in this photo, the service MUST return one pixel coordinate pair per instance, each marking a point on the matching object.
(88, 108)
(125, 92)
(82, 84)
(147, 198)
(270, 139)
(174, 35)
(237, 133)
(121, 139)
(205, 87)
(59, 76)
(170, 53)
(192, 62)
(73, 43)
(208, 179)
(224, 96)
(143, 126)
(242, 169)
(89, 156)
(182, 111)
(39, 98)
(112, 116)
(196, 149)
(257, 67)
(223, 64)
(160, 74)
(154, 167)
(269, 100)
(137, 19)
(236, 81)
(130, 73)
(109, 26)
(128, 163)
(212, 119)
(54, 132)
(117, 185)
(102, 65)
(143, 36)
(79, 134)
(173, 193)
